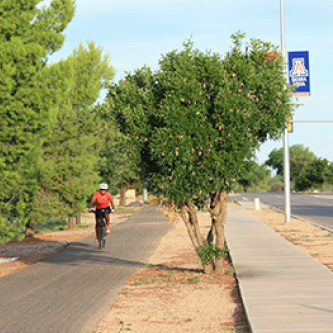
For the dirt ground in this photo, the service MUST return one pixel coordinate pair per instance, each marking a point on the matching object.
(172, 294)
(307, 237)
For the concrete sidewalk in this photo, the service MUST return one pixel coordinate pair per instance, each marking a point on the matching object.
(283, 288)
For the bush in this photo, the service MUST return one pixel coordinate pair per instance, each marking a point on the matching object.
(10, 229)
(52, 224)
(209, 252)
(276, 188)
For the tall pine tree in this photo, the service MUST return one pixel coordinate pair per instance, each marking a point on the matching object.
(69, 167)
(28, 35)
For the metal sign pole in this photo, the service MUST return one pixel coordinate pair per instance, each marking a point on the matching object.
(286, 134)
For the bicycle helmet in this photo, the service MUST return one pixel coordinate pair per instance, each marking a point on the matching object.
(103, 186)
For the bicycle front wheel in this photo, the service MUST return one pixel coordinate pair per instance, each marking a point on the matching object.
(103, 235)
(100, 235)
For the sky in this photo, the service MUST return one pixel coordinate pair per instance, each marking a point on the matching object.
(136, 33)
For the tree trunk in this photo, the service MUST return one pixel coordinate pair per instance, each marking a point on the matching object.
(187, 218)
(123, 190)
(219, 208)
(30, 230)
(78, 218)
(70, 223)
(190, 219)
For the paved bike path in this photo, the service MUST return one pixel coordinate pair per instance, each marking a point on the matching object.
(71, 291)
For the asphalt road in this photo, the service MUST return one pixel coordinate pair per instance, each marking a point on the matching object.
(71, 291)
(316, 208)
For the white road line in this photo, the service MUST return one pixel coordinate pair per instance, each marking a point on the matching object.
(324, 196)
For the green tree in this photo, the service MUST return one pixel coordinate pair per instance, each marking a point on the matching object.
(276, 184)
(328, 174)
(257, 173)
(129, 105)
(69, 165)
(316, 172)
(300, 161)
(118, 168)
(27, 36)
(211, 115)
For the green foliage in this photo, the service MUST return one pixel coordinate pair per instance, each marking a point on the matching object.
(118, 168)
(316, 171)
(91, 72)
(255, 175)
(127, 107)
(51, 224)
(208, 253)
(194, 125)
(10, 229)
(194, 280)
(27, 36)
(69, 165)
(276, 184)
(50, 134)
(212, 114)
(328, 174)
(306, 169)
(300, 156)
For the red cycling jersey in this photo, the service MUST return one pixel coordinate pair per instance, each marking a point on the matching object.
(102, 201)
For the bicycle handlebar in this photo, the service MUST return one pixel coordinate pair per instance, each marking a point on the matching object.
(102, 210)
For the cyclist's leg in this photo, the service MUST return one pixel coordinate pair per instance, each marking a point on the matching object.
(107, 219)
(107, 222)
(96, 230)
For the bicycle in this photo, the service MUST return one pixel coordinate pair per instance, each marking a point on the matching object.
(101, 229)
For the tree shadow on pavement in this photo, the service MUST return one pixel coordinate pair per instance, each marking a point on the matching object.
(79, 253)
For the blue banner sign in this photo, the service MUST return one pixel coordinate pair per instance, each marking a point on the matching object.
(299, 73)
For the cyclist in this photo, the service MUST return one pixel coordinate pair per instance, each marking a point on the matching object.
(103, 200)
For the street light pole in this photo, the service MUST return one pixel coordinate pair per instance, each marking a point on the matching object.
(286, 134)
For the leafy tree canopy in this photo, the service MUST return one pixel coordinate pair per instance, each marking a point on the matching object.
(213, 113)
(328, 174)
(299, 156)
(195, 124)
(306, 169)
(128, 108)
(256, 173)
